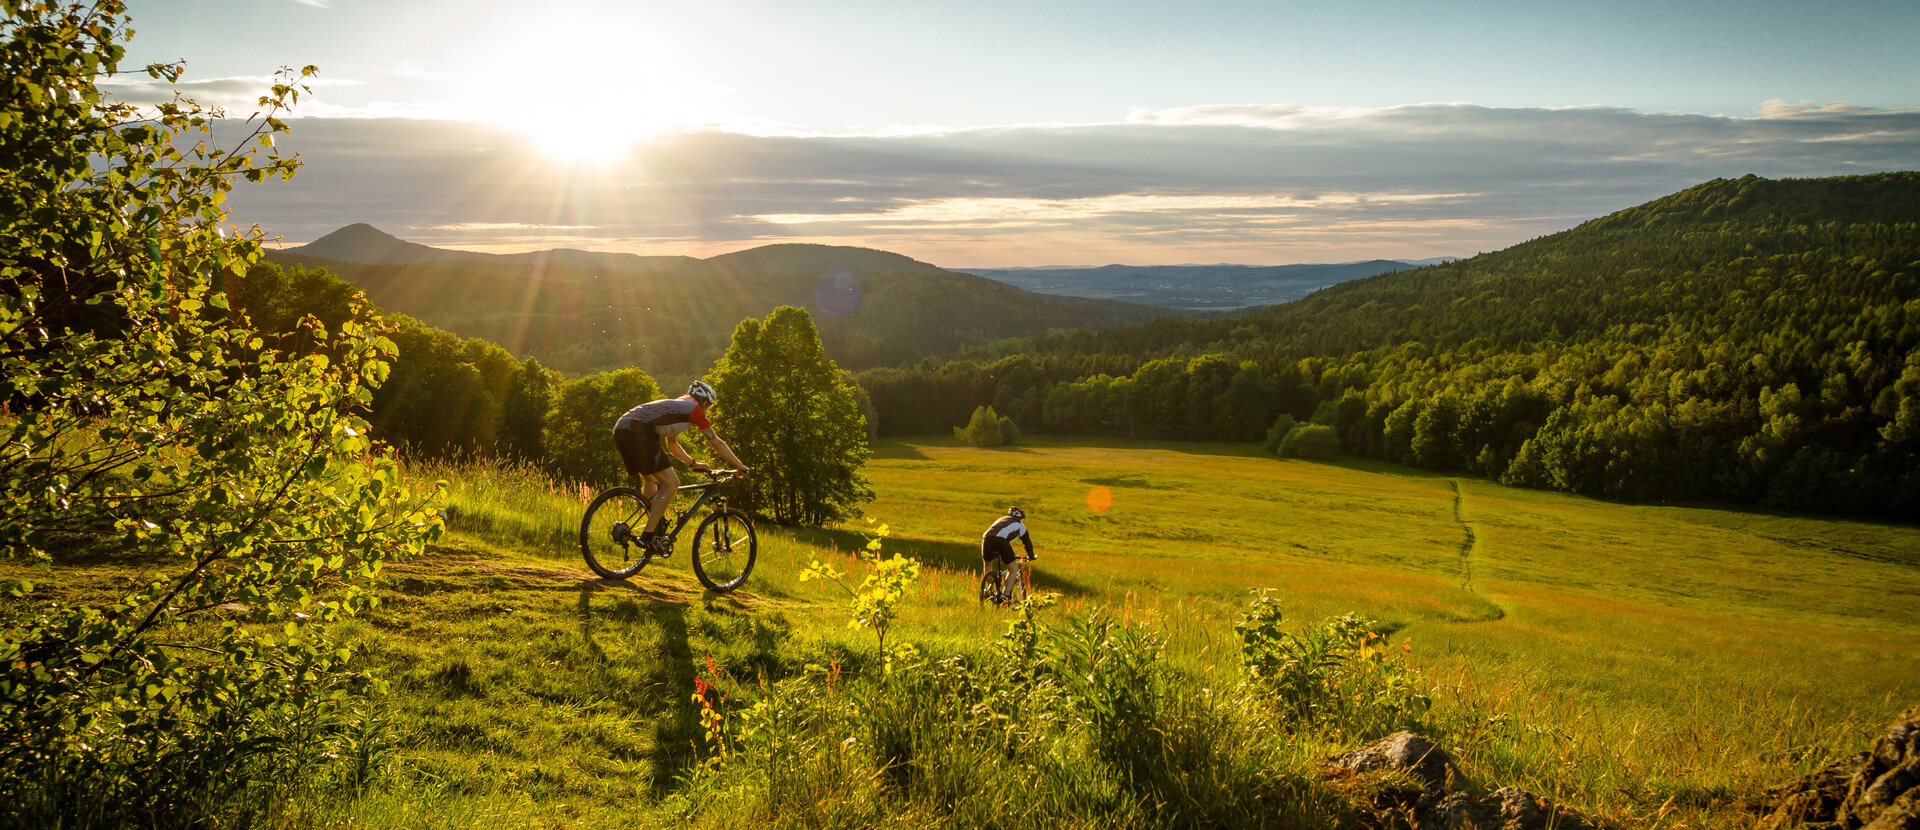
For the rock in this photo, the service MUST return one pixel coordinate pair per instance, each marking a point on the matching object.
(1403, 751)
(1875, 790)
(1440, 797)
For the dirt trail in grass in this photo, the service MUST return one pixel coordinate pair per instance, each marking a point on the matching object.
(454, 567)
(1469, 546)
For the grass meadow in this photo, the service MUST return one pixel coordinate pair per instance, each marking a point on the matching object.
(1648, 665)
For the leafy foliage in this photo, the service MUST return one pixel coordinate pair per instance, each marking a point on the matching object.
(578, 436)
(147, 421)
(785, 410)
(1309, 441)
(987, 429)
(877, 598)
(1342, 672)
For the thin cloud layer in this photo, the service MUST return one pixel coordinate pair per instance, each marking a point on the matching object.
(1253, 184)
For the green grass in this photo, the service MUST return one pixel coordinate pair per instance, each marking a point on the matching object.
(1650, 665)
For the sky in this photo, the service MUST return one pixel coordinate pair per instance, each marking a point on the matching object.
(970, 133)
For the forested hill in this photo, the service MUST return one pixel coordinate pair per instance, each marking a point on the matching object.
(581, 312)
(1744, 339)
(1750, 253)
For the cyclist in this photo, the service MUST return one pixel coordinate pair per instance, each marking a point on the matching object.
(648, 433)
(996, 545)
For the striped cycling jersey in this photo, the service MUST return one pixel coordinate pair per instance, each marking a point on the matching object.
(668, 417)
(1007, 529)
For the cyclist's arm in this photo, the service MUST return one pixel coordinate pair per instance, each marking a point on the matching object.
(1027, 539)
(719, 446)
(680, 452)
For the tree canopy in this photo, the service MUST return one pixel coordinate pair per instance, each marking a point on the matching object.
(147, 420)
(786, 411)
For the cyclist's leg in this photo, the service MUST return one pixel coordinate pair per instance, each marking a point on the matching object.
(995, 555)
(646, 459)
(666, 485)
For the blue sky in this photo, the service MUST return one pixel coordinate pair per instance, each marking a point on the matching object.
(1044, 132)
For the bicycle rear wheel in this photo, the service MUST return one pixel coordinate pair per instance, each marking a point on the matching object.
(992, 583)
(724, 549)
(610, 533)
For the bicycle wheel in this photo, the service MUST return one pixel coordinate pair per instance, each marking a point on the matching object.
(991, 585)
(610, 533)
(723, 549)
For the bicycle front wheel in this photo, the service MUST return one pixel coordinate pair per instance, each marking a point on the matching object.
(723, 549)
(610, 533)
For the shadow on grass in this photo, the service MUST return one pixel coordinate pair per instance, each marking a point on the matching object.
(898, 450)
(962, 557)
(676, 727)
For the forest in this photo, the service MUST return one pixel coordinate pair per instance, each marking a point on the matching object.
(1744, 340)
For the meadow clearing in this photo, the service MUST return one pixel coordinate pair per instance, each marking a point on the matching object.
(1649, 665)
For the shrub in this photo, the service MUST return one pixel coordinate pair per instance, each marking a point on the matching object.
(987, 429)
(1341, 675)
(1310, 441)
(1283, 426)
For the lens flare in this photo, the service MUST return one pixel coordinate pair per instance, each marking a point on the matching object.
(1099, 499)
(837, 294)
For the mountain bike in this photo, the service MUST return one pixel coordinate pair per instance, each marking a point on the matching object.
(1010, 586)
(724, 545)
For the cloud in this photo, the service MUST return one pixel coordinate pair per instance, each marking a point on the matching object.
(1255, 184)
(420, 70)
(234, 92)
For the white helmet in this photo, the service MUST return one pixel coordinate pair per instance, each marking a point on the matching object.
(702, 392)
(1017, 513)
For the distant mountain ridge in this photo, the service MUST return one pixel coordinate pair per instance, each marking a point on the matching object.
(581, 311)
(1197, 287)
(1221, 287)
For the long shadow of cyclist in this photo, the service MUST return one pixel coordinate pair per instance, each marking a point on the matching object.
(661, 693)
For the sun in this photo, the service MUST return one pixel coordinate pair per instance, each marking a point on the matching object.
(581, 92)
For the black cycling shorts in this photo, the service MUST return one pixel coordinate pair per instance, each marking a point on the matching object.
(995, 548)
(640, 450)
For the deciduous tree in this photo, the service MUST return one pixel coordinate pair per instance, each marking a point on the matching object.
(787, 411)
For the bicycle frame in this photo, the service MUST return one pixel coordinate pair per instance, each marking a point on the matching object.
(1018, 572)
(708, 491)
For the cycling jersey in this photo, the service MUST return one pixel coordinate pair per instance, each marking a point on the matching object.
(667, 417)
(997, 542)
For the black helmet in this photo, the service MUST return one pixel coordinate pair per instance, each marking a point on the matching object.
(1016, 512)
(702, 392)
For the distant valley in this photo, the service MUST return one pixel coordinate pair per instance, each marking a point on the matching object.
(1195, 287)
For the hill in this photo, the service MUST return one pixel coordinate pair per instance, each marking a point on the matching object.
(1700, 257)
(1745, 339)
(1197, 287)
(361, 242)
(581, 312)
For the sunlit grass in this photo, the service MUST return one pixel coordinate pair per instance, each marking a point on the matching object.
(1647, 664)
